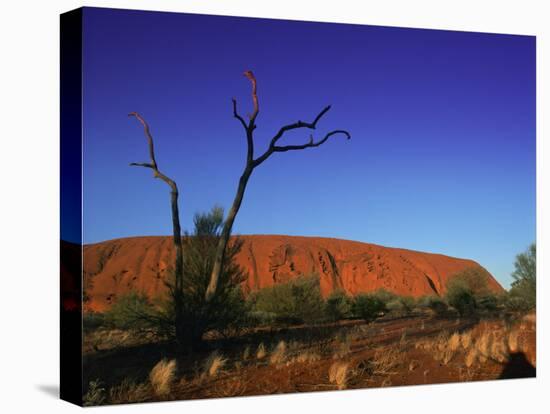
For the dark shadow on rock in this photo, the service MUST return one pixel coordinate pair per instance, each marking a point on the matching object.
(518, 367)
(51, 390)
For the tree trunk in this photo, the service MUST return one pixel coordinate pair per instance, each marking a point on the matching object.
(178, 268)
(226, 233)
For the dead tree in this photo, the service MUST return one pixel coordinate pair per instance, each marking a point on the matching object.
(177, 287)
(252, 163)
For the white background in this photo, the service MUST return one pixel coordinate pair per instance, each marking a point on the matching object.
(29, 193)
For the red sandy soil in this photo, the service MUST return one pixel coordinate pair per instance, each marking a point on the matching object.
(418, 349)
(115, 267)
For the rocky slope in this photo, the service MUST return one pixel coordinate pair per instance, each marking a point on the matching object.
(113, 268)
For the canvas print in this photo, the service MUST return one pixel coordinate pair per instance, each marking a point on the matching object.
(258, 206)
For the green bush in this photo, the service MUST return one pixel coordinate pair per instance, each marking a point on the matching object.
(367, 306)
(297, 301)
(517, 303)
(461, 297)
(338, 305)
(226, 311)
(92, 321)
(131, 311)
(523, 293)
(488, 302)
(475, 279)
(384, 295)
(435, 303)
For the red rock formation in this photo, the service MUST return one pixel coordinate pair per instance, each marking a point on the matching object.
(115, 267)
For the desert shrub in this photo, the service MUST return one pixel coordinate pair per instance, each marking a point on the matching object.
(338, 305)
(435, 303)
(227, 309)
(474, 279)
(95, 394)
(516, 303)
(461, 297)
(131, 311)
(297, 301)
(92, 321)
(367, 306)
(523, 293)
(261, 318)
(488, 302)
(384, 296)
(395, 306)
(408, 302)
(162, 375)
(401, 305)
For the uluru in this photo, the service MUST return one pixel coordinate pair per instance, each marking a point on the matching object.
(116, 267)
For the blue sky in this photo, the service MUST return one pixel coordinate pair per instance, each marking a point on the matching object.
(442, 155)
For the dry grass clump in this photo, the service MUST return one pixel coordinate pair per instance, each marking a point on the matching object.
(305, 357)
(466, 339)
(246, 353)
(338, 374)
(213, 364)
(162, 375)
(278, 355)
(95, 394)
(470, 357)
(385, 360)
(129, 392)
(343, 346)
(454, 342)
(483, 344)
(234, 387)
(513, 341)
(261, 352)
(499, 347)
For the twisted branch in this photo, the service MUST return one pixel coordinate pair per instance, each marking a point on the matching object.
(251, 164)
(153, 164)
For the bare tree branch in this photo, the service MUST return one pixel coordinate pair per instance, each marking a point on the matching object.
(252, 80)
(153, 164)
(299, 124)
(176, 228)
(236, 114)
(252, 163)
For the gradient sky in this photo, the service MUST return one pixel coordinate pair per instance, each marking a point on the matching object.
(442, 155)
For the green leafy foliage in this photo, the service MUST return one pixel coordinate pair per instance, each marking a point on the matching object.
(435, 303)
(461, 296)
(296, 301)
(131, 311)
(523, 293)
(226, 311)
(338, 305)
(368, 306)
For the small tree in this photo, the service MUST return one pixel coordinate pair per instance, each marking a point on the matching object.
(433, 302)
(524, 287)
(338, 305)
(296, 301)
(460, 296)
(367, 306)
(476, 279)
(226, 310)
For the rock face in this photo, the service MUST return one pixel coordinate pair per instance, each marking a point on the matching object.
(115, 267)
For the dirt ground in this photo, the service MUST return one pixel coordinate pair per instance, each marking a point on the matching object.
(418, 349)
